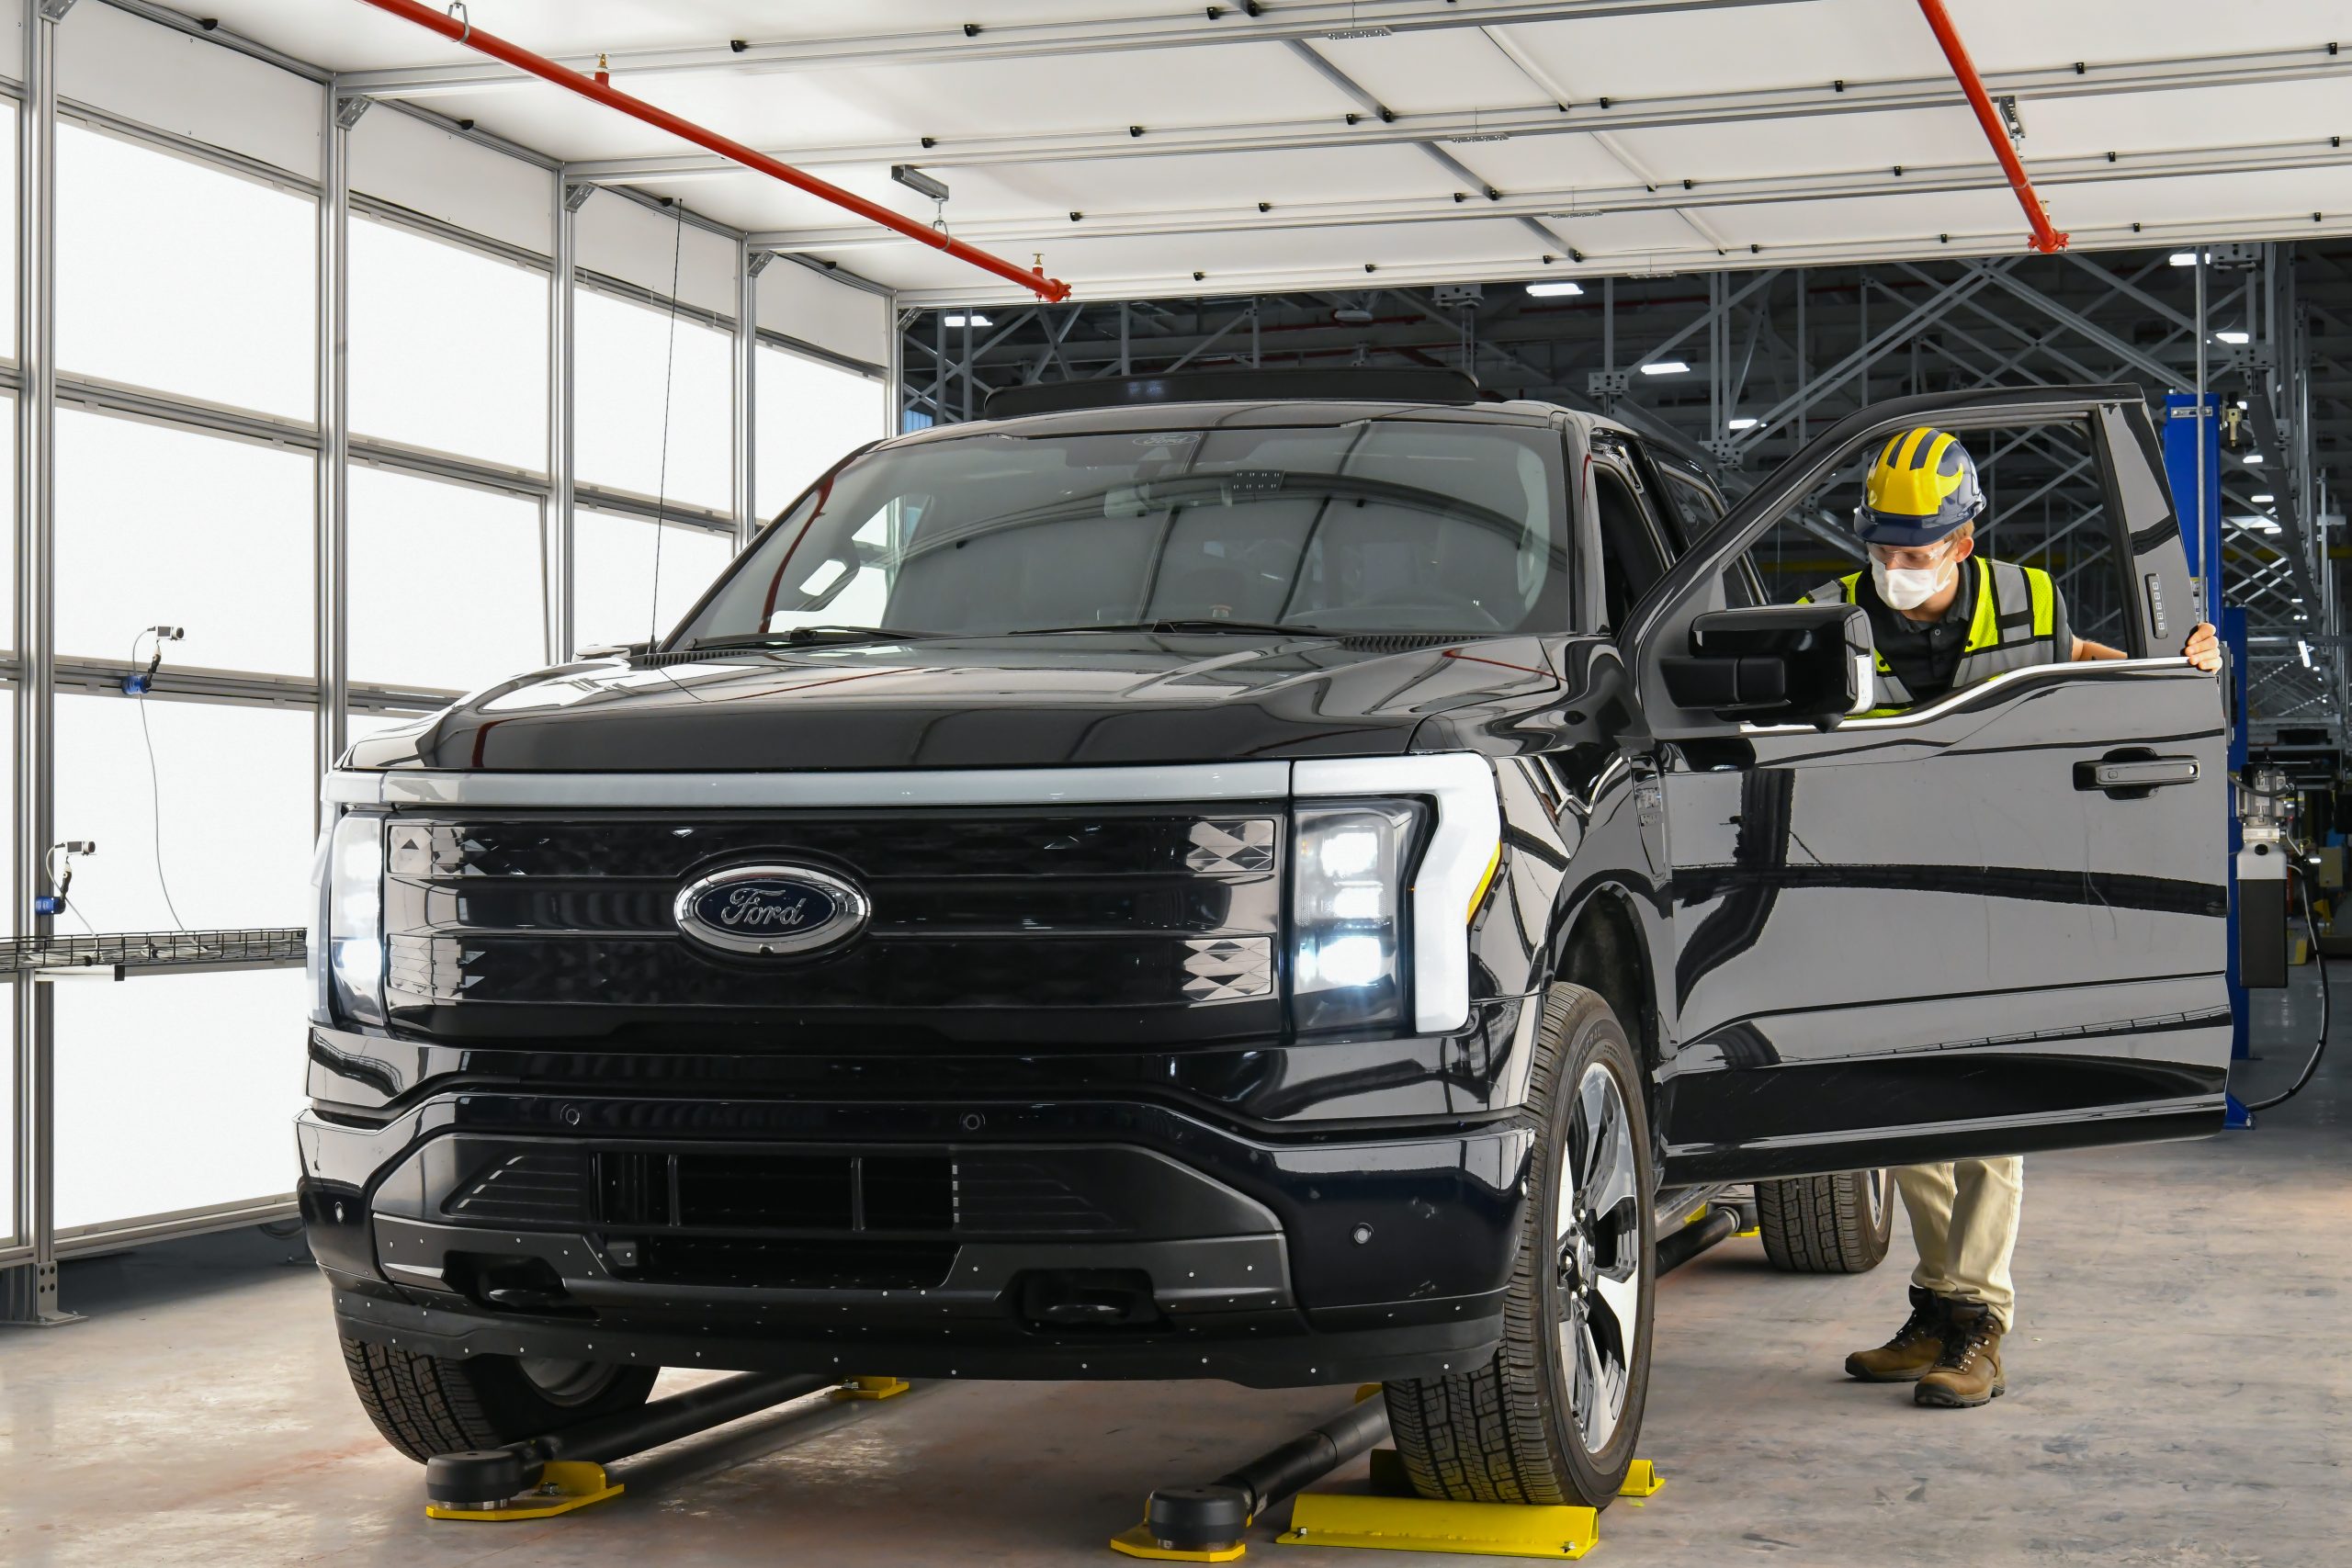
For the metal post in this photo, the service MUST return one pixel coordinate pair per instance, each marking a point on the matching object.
(747, 344)
(2209, 544)
(969, 372)
(30, 1296)
(1123, 338)
(1608, 324)
(332, 509)
(563, 248)
(894, 419)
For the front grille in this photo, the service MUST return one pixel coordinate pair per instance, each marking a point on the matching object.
(1111, 924)
(794, 1264)
(535, 1187)
(724, 1191)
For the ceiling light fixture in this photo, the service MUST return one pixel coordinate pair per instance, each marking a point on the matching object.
(2265, 499)
(1666, 367)
(1552, 290)
(974, 319)
(2232, 336)
(2252, 459)
(1742, 424)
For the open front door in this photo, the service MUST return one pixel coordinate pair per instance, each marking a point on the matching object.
(1991, 923)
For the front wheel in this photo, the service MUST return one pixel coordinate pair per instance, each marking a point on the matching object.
(1826, 1224)
(1552, 1418)
(431, 1404)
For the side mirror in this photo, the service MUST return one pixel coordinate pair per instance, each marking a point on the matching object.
(1808, 663)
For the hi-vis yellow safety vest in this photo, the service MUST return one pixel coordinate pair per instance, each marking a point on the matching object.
(2015, 628)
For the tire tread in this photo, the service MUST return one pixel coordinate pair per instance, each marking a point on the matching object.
(1820, 1225)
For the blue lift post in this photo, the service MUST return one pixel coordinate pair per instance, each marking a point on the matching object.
(2200, 537)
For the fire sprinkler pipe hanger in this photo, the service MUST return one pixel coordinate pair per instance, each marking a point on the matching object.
(2046, 239)
(457, 29)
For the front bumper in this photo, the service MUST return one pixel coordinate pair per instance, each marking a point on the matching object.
(493, 1221)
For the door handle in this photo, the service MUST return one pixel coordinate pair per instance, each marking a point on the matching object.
(2128, 775)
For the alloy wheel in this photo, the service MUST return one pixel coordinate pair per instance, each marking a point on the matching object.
(1598, 1256)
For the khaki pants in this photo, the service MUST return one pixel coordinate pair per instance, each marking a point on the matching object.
(1965, 1218)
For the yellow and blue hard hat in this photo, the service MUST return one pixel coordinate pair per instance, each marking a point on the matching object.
(1921, 489)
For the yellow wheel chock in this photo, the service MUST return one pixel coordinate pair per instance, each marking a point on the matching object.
(564, 1484)
(872, 1388)
(1560, 1533)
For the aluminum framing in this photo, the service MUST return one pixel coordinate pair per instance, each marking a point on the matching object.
(30, 1243)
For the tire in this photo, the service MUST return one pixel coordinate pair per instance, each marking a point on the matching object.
(1826, 1224)
(426, 1404)
(1522, 1428)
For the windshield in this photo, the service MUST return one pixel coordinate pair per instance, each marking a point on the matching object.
(1386, 525)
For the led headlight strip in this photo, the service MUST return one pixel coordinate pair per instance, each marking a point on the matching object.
(1460, 862)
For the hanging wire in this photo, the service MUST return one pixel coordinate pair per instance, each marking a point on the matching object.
(154, 794)
(668, 370)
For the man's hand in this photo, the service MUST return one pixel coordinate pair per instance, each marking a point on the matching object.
(2204, 649)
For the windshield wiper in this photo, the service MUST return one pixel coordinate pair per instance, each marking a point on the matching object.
(1182, 625)
(802, 636)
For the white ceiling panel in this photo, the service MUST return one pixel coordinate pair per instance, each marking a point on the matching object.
(1261, 90)
(1416, 72)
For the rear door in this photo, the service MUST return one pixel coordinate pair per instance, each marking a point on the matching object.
(1991, 924)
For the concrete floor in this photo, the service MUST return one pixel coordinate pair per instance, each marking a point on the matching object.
(2179, 1385)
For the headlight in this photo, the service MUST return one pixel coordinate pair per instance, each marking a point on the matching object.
(346, 955)
(1347, 912)
(1459, 850)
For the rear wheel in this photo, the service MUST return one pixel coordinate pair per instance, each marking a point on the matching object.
(1826, 1224)
(1554, 1417)
(429, 1405)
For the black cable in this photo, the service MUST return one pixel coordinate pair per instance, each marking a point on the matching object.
(154, 795)
(668, 370)
(2319, 960)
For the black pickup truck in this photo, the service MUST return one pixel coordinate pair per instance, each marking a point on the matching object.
(1279, 883)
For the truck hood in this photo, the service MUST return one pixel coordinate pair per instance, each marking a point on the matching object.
(1085, 698)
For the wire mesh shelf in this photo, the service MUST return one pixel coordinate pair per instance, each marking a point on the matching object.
(255, 947)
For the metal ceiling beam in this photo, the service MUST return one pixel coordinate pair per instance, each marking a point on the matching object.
(1484, 200)
(954, 42)
(1646, 261)
(1535, 119)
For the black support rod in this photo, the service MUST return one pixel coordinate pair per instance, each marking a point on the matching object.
(485, 1478)
(1213, 1517)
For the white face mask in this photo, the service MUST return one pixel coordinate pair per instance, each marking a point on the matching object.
(1908, 588)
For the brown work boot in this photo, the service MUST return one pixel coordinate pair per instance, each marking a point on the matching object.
(1969, 1372)
(1915, 1345)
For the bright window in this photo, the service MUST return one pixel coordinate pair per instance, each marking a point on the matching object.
(447, 587)
(612, 583)
(231, 789)
(809, 416)
(176, 1092)
(184, 278)
(619, 354)
(163, 526)
(448, 348)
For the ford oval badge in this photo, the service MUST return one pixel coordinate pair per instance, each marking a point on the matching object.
(770, 909)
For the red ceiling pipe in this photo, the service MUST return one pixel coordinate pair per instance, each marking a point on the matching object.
(1051, 289)
(2045, 238)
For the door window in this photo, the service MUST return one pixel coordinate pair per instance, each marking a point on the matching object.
(1631, 557)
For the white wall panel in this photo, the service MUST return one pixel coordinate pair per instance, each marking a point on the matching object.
(447, 582)
(429, 170)
(613, 580)
(231, 788)
(161, 76)
(627, 360)
(808, 415)
(157, 525)
(449, 347)
(176, 1092)
(801, 303)
(175, 275)
(626, 240)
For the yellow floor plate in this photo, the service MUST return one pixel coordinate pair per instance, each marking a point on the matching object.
(564, 1485)
(1139, 1542)
(1410, 1524)
(872, 1388)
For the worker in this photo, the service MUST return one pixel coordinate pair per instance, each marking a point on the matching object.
(1936, 624)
